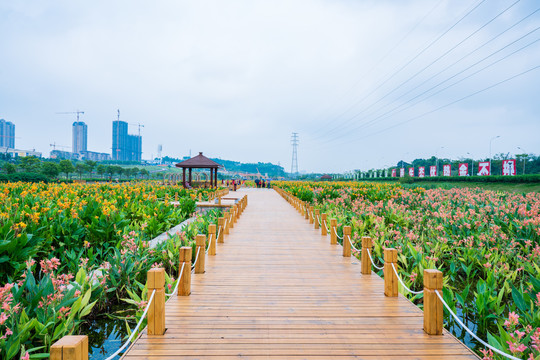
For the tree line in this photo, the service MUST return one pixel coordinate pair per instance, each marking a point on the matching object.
(54, 169)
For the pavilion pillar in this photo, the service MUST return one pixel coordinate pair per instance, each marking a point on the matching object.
(211, 178)
(190, 179)
(184, 177)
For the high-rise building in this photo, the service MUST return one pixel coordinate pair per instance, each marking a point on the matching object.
(80, 137)
(7, 134)
(125, 147)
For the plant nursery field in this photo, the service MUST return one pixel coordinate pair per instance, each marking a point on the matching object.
(71, 252)
(486, 243)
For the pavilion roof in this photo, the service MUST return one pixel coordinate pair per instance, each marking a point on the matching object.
(199, 161)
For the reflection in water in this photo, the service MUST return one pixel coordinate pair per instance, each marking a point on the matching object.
(105, 336)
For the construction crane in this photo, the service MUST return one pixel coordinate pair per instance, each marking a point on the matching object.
(73, 112)
(139, 125)
(54, 146)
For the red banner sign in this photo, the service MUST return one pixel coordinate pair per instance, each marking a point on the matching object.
(433, 170)
(401, 172)
(421, 171)
(484, 168)
(463, 169)
(447, 170)
(509, 167)
(411, 172)
(394, 172)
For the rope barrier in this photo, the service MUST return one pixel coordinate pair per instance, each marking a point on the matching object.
(470, 332)
(403, 284)
(372, 262)
(352, 245)
(177, 281)
(335, 232)
(196, 258)
(209, 243)
(319, 220)
(134, 330)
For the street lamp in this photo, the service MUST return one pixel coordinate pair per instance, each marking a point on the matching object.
(472, 164)
(490, 141)
(524, 158)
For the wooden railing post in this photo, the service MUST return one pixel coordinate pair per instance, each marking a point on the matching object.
(200, 243)
(231, 218)
(184, 289)
(317, 218)
(221, 223)
(155, 280)
(390, 279)
(212, 239)
(433, 307)
(333, 231)
(346, 243)
(219, 200)
(324, 230)
(364, 261)
(70, 347)
(236, 212)
(306, 210)
(227, 225)
(311, 214)
(176, 196)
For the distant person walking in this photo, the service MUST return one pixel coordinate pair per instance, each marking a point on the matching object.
(234, 184)
(268, 184)
(258, 183)
(263, 183)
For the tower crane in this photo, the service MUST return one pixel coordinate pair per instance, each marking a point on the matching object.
(73, 112)
(139, 125)
(54, 146)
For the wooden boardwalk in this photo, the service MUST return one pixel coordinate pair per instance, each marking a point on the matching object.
(277, 289)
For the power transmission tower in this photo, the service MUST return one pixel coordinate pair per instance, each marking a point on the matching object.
(294, 163)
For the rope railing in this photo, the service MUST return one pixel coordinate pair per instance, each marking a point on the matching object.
(319, 220)
(352, 245)
(458, 320)
(335, 232)
(134, 330)
(209, 243)
(196, 259)
(373, 262)
(403, 284)
(177, 281)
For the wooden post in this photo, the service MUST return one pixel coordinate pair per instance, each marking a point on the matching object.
(226, 228)
(346, 242)
(317, 218)
(333, 231)
(365, 262)
(302, 208)
(219, 200)
(311, 214)
(231, 217)
(324, 230)
(306, 210)
(390, 279)
(433, 307)
(200, 197)
(200, 247)
(176, 196)
(184, 288)
(155, 280)
(70, 347)
(221, 223)
(237, 212)
(212, 239)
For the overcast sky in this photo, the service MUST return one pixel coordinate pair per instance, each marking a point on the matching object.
(364, 83)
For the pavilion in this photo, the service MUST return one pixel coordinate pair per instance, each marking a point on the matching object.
(199, 162)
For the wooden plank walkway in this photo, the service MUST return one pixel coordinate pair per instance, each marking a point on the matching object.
(277, 289)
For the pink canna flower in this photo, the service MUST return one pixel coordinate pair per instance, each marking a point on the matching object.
(26, 356)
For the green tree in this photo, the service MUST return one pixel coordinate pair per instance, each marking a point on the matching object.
(81, 168)
(101, 170)
(50, 169)
(30, 163)
(66, 166)
(91, 165)
(9, 168)
(111, 169)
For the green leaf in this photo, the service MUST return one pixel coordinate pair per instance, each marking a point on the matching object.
(518, 299)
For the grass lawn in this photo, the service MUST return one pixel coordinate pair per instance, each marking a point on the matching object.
(488, 186)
